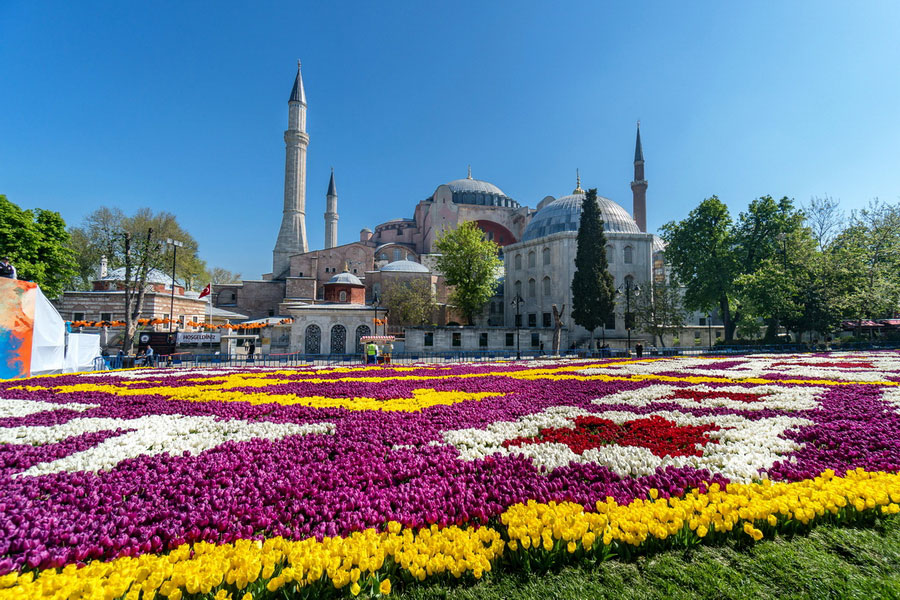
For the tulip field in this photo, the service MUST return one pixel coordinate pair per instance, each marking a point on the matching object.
(370, 480)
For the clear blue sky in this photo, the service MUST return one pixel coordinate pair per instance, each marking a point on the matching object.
(181, 106)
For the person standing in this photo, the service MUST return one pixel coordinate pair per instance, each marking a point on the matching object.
(7, 270)
(148, 356)
(639, 349)
(251, 350)
(371, 352)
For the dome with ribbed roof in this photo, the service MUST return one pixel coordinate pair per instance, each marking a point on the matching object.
(476, 191)
(405, 266)
(564, 214)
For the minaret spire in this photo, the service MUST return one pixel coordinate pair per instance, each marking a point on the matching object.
(578, 189)
(469, 176)
(639, 185)
(292, 235)
(331, 213)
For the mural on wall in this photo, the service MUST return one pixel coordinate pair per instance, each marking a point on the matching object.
(16, 327)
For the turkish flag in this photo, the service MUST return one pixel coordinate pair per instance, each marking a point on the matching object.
(206, 290)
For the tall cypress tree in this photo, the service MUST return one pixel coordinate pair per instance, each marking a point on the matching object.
(593, 292)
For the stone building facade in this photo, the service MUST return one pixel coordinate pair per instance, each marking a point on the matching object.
(538, 247)
(106, 301)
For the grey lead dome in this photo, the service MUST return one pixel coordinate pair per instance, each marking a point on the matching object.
(346, 277)
(405, 266)
(564, 214)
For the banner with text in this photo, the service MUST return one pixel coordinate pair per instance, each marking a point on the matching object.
(198, 338)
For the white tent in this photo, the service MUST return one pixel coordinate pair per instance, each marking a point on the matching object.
(33, 335)
(48, 342)
(81, 351)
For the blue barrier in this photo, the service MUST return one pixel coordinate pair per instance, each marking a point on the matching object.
(302, 359)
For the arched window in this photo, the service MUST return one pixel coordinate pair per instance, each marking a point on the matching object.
(629, 255)
(518, 287)
(532, 292)
(396, 254)
(547, 287)
(338, 339)
(610, 252)
(531, 259)
(313, 343)
(360, 332)
(342, 297)
(518, 261)
(546, 256)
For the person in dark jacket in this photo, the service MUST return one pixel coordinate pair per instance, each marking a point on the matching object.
(7, 270)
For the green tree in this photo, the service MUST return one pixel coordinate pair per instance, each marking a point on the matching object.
(219, 275)
(699, 251)
(869, 249)
(717, 260)
(409, 303)
(36, 242)
(136, 243)
(658, 311)
(593, 292)
(469, 263)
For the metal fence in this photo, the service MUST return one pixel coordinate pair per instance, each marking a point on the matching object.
(187, 360)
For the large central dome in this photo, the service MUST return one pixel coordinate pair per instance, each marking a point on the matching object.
(474, 185)
(564, 214)
(476, 191)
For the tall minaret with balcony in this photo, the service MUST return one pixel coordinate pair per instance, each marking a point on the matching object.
(331, 214)
(639, 185)
(292, 235)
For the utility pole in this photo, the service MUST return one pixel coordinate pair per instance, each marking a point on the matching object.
(627, 288)
(517, 301)
(175, 246)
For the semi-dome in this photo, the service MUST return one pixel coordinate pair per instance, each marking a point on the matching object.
(345, 278)
(564, 214)
(405, 266)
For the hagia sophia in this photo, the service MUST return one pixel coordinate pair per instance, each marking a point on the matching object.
(332, 293)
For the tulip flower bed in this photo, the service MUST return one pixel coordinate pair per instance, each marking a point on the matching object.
(315, 482)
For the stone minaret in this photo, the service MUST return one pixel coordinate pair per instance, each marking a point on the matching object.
(639, 185)
(292, 235)
(331, 214)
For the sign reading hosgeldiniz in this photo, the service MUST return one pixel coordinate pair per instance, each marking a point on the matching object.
(198, 338)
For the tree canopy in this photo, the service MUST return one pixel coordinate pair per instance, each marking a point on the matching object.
(469, 263)
(658, 311)
(777, 265)
(37, 244)
(136, 243)
(101, 234)
(410, 303)
(709, 253)
(593, 292)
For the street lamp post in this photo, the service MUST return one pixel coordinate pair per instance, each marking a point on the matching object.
(175, 246)
(709, 328)
(628, 288)
(375, 301)
(517, 301)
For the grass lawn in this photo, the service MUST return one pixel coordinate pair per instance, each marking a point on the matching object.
(829, 562)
